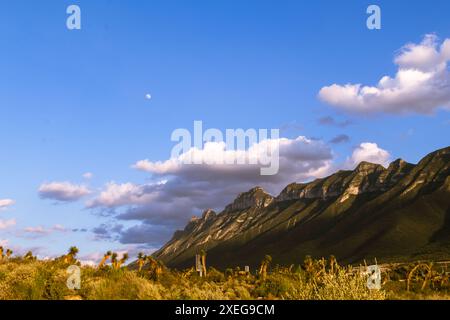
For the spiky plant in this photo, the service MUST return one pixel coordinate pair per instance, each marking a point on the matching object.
(155, 268)
(73, 251)
(104, 259)
(122, 260)
(29, 256)
(141, 260)
(114, 260)
(264, 265)
(70, 256)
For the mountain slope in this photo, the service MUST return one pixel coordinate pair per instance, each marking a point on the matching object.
(399, 212)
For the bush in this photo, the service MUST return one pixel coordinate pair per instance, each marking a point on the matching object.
(35, 280)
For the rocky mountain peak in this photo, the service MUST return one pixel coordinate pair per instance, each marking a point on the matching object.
(367, 167)
(398, 163)
(292, 191)
(254, 198)
(350, 207)
(208, 214)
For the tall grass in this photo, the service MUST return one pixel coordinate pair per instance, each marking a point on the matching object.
(35, 280)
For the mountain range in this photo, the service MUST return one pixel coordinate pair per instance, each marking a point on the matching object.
(393, 214)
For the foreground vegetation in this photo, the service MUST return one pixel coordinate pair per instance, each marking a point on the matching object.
(28, 278)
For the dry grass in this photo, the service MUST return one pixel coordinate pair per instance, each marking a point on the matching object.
(26, 278)
(35, 280)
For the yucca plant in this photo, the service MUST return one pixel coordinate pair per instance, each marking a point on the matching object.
(264, 265)
(155, 268)
(105, 258)
(70, 256)
(122, 260)
(114, 260)
(29, 256)
(141, 259)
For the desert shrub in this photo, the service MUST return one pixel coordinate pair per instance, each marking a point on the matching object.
(196, 291)
(34, 279)
(276, 285)
(345, 286)
(122, 286)
(215, 275)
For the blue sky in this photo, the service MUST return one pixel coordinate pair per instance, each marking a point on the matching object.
(73, 102)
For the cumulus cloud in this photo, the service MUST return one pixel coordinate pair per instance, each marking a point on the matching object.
(216, 161)
(369, 152)
(182, 190)
(6, 203)
(6, 224)
(63, 191)
(117, 195)
(421, 85)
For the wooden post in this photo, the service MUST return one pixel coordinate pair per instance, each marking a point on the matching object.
(198, 265)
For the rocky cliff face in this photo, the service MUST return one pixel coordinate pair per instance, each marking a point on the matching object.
(255, 198)
(401, 210)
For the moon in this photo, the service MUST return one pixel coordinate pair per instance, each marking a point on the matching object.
(148, 96)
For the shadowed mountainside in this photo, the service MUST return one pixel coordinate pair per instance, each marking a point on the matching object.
(397, 213)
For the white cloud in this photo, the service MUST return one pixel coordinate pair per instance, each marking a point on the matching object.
(187, 189)
(39, 230)
(63, 191)
(369, 152)
(299, 159)
(421, 85)
(42, 231)
(305, 154)
(6, 203)
(88, 263)
(5, 224)
(60, 228)
(116, 195)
